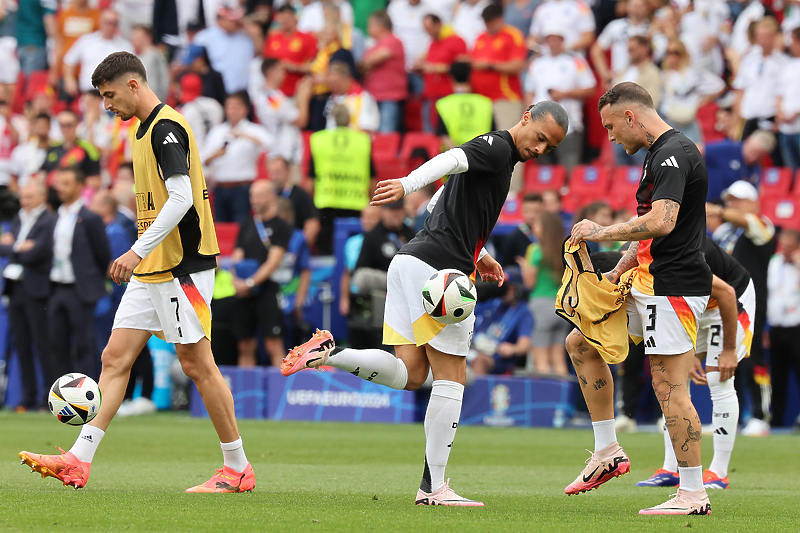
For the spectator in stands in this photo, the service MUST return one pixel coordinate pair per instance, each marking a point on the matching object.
(704, 27)
(566, 78)
(750, 239)
(463, 115)
(551, 203)
(686, 89)
(468, 20)
(757, 81)
(574, 16)
(81, 258)
(729, 161)
(281, 116)
(445, 49)
(383, 66)
(516, 243)
(741, 39)
(788, 106)
(124, 193)
(230, 155)
(346, 91)
(196, 59)
(342, 179)
(334, 44)
(154, 61)
(29, 247)
(229, 48)
(640, 69)
(27, 158)
(417, 206)
(294, 48)
(304, 213)
(312, 14)
(8, 58)
(73, 21)
(72, 152)
(9, 137)
(542, 270)
(201, 112)
(598, 212)
(519, 13)
(783, 314)
(615, 37)
(502, 330)
(407, 17)
(89, 50)
(370, 216)
(260, 247)
(35, 24)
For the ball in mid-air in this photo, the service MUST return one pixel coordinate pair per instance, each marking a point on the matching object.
(449, 296)
(74, 399)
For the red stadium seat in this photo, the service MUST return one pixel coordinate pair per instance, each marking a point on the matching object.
(776, 182)
(540, 178)
(390, 169)
(624, 182)
(385, 146)
(706, 120)
(227, 232)
(587, 184)
(415, 139)
(783, 212)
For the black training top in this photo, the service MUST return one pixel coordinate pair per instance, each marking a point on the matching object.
(726, 267)
(470, 204)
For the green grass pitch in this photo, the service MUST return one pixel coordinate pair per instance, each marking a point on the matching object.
(363, 477)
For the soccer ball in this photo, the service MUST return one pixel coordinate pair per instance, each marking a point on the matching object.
(74, 399)
(449, 296)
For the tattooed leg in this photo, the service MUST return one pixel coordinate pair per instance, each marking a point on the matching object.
(594, 376)
(669, 374)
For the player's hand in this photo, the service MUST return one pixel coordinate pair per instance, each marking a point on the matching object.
(506, 350)
(242, 290)
(26, 245)
(612, 276)
(727, 364)
(490, 270)
(123, 266)
(344, 305)
(697, 374)
(387, 191)
(7, 239)
(585, 230)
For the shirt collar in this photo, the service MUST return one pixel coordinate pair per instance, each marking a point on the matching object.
(72, 209)
(32, 214)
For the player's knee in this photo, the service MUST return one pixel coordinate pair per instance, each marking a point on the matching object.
(573, 342)
(114, 361)
(415, 380)
(192, 369)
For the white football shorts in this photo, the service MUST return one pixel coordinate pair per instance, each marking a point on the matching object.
(666, 324)
(709, 336)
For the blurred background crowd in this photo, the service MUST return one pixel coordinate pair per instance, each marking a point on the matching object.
(299, 107)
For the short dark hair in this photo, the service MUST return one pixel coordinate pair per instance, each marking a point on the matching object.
(790, 232)
(44, 116)
(287, 8)
(460, 71)
(544, 108)
(242, 97)
(642, 40)
(492, 12)
(118, 64)
(626, 92)
(532, 197)
(382, 18)
(126, 164)
(147, 30)
(434, 18)
(80, 176)
(268, 63)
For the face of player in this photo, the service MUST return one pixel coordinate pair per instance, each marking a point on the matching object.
(120, 97)
(619, 122)
(537, 137)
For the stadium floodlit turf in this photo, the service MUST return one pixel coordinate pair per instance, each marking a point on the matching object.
(363, 477)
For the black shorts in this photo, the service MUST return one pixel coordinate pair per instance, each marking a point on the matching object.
(262, 311)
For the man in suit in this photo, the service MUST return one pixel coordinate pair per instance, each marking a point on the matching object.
(29, 245)
(81, 259)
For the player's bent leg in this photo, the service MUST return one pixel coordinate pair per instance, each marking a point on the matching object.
(72, 468)
(608, 460)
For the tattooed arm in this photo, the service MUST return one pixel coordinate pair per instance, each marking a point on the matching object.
(659, 221)
(627, 262)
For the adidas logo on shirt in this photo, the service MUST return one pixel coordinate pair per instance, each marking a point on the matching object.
(669, 162)
(171, 139)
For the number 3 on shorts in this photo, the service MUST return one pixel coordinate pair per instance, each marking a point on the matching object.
(651, 317)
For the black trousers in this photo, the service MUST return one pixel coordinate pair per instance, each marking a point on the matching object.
(327, 216)
(784, 354)
(28, 329)
(72, 338)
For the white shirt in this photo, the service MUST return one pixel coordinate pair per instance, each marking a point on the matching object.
(230, 55)
(26, 160)
(276, 112)
(240, 160)
(615, 36)
(202, 114)
(759, 79)
(468, 22)
(739, 41)
(8, 58)
(407, 26)
(706, 20)
(89, 50)
(789, 91)
(364, 114)
(573, 16)
(62, 272)
(684, 90)
(26, 221)
(564, 72)
(312, 18)
(783, 282)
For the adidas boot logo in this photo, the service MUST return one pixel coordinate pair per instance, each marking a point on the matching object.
(171, 139)
(669, 162)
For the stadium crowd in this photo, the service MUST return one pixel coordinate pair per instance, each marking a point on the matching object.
(299, 107)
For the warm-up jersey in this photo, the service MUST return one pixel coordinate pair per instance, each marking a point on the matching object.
(726, 267)
(673, 265)
(470, 204)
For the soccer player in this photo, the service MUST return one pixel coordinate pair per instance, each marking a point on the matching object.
(724, 336)
(463, 214)
(170, 270)
(670, 290)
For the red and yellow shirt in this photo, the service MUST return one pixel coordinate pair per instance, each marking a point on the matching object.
(506, 45)
(294, 49)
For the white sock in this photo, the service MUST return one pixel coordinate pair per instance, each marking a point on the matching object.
(604, 434)
(691, 477)
(725, 419)
(87, 443)
(441, 422)
(670, 461)
(233, 455)
(372, 365)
